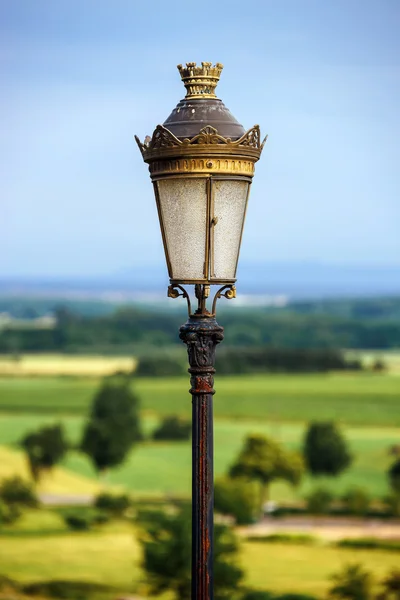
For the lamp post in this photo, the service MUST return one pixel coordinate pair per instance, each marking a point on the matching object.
(201, 163)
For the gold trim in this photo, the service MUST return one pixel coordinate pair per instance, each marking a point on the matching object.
(228, 291)
(243, 222)
(206, 270)
(202, 281)
(163, 140)
(211, 227)
(163, 234)
(207, 165)
(208, 152)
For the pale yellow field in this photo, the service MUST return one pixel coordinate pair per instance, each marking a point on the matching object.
(62, 364)
(60, 481)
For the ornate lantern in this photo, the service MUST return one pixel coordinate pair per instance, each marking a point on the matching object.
(201, 162)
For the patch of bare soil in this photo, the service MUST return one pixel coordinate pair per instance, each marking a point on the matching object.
(326, 527)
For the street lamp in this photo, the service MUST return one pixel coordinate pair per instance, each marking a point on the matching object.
(201, 163)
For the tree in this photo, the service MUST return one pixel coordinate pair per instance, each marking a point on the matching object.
(357, 501)
(264, 460)
(319, 501)
(160, 365)
(391, 586)
(16, 491)
(173, 427)
(394, 476)
(114, 504)
(325, 449)
(351, 583)
(44, 448)
(236, 497)
(113, 426)
(15, 494)
(166, 543)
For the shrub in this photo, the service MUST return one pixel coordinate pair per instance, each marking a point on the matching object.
(18, 492)
(157, 365)
(319, 501)
(352, 583)
(173, 427)
(392, 503)
(369, 543)
(284, 538)
(236, 497)
(114, 504)
(394, 476)
(79, 521)
(258, 595)
(166, 556)
(68, 590)
(284, 511)
(379, 366)
(100, 518)
(295, 596)
(391, 586)
(9, 513)
(356, 501)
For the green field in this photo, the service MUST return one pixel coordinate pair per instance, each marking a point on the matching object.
(164, 468)
(112, 556)
(352, 398)
(366, 405)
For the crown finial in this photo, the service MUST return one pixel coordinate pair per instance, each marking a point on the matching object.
(200, 82)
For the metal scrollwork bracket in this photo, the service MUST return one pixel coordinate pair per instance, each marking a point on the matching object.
(173, 293)
(228, 291)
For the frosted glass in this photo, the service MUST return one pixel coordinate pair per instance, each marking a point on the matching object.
(184, 212)
(229, 208)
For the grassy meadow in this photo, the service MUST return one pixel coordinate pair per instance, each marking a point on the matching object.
(112, 556)
(158, 468)
(366, 404)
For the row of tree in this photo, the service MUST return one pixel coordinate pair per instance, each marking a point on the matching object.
(127, 327)
(257, 359)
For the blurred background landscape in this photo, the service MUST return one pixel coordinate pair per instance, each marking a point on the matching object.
(95, 450)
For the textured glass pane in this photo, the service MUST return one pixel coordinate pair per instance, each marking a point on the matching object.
(229, 207)
(184, 211)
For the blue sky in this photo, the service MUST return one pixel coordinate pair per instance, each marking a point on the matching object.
(81, 77)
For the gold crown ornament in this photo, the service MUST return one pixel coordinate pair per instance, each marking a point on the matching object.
(200, 82)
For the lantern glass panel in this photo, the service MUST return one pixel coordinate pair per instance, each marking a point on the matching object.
(229, 203)
(183, 210)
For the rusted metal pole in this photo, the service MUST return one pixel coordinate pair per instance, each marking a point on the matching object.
(201, 334)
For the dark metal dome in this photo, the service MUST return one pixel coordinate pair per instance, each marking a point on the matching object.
(201, 107)
(190, 116)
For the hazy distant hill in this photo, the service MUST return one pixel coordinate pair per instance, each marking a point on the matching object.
(294, 280)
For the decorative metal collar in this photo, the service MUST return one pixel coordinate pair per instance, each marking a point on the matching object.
(163, 139)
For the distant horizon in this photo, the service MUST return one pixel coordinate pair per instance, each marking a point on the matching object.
(294, 279)
(158, 266)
